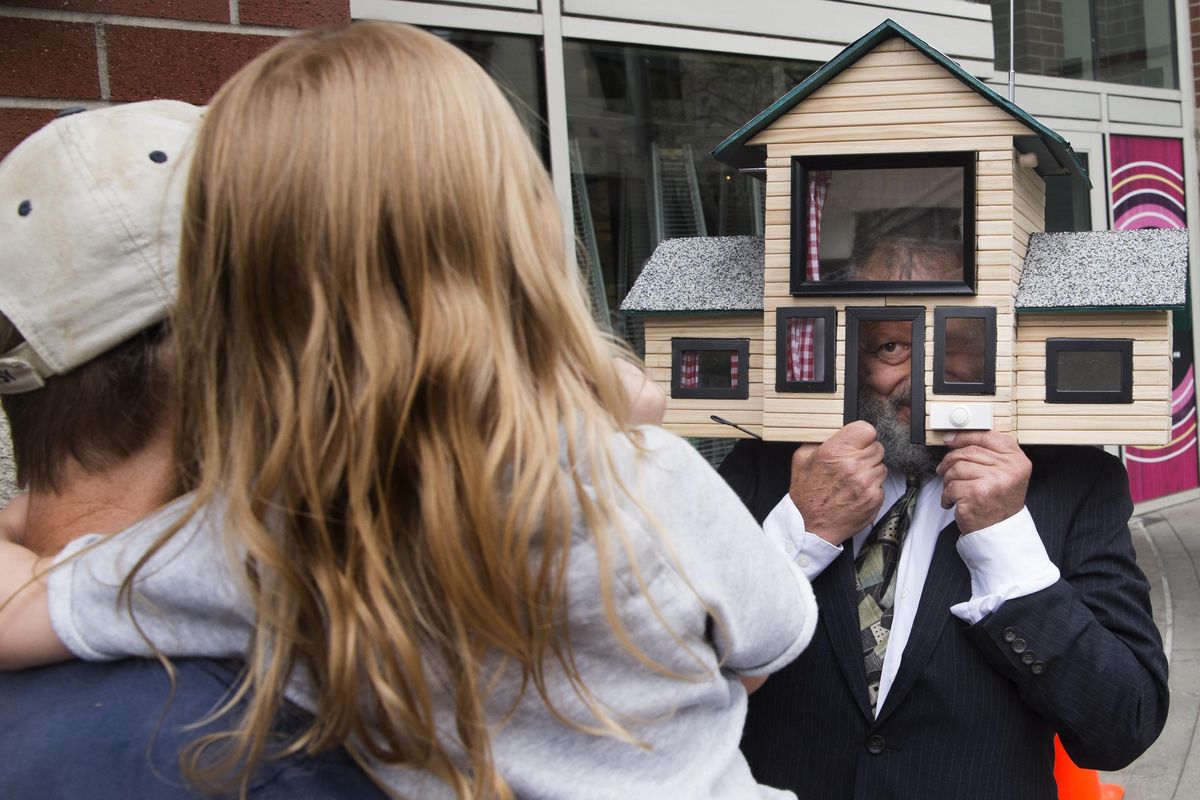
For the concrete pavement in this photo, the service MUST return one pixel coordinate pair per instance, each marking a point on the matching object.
(1168, 550)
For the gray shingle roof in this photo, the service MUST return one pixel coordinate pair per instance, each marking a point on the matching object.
(701, 275)
(1105, 269)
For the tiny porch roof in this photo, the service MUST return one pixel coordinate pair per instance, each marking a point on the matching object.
(700, 275)
(1105, 270)
(1055, 156)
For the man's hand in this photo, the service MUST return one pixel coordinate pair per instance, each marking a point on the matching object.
(838, 486)
(985, 474)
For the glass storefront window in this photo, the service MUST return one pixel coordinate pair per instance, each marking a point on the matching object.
(641, 123)
(1115, 41)
(515, 63)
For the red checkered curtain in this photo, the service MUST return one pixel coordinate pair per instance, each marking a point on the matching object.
(801, 332)
(689, 370)
(818, 187)
(801, 352)
(733, 369)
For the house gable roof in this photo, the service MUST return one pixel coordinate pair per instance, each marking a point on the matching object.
(700, 275)
(1106, 270)
(1055, 156)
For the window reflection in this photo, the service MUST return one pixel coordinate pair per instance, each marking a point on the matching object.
(886, 224)
(642, 122)
(965, 357)
(710, 369)
(515, 63)
(1117, 41)
(1098, 371)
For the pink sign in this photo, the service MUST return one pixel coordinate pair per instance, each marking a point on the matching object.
(1147, 192)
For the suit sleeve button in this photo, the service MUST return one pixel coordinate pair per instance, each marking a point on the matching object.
(1038, 667)
(1018, 645)
(1009, 634)
(1028, 657)
(875, 744)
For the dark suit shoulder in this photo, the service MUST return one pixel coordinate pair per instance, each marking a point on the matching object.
(759, 472)
(1081, 462)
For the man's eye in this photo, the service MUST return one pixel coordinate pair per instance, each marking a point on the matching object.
(893, 352)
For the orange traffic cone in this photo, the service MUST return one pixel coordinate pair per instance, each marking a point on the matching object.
(1080, 784)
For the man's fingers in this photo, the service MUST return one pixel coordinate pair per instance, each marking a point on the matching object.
(953, 491)
(969, 454)
(857, 434)
(963, 471)
(989, 440)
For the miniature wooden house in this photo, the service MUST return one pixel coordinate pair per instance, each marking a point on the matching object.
(902, 193)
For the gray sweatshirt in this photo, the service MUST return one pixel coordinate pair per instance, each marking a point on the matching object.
(189, 603)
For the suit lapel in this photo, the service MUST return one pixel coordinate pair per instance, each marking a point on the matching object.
(835, 597)
(948, 582)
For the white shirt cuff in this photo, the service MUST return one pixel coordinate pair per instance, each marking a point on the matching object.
(785, 526)
(1006, 560)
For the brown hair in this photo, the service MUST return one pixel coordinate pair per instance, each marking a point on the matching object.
(391, 383)
(98, 414)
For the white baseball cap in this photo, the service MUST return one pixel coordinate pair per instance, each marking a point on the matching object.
(91, 208)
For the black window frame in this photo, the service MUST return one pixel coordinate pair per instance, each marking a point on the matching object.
(914, 314)
(740, 392)
(987, 386)
(829, 382)
(801, 165)
(1121, 396)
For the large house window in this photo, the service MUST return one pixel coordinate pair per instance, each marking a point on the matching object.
(1089, 371)
(883, 224)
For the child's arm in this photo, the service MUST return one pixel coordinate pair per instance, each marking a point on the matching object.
(27, 638)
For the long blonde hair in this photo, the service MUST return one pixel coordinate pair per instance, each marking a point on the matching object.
(391, 382)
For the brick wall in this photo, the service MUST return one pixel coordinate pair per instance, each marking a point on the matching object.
(1037, 36)
(1121, 43)
(59, 53)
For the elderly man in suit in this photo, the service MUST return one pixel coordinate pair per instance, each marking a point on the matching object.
(975, 600)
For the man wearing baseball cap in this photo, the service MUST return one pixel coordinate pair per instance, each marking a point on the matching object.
(90, 216)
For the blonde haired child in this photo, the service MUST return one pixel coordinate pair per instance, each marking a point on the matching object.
(417, 506)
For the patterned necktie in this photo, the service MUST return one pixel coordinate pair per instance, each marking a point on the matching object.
(875, 580)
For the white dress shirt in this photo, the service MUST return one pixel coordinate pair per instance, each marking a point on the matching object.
(1006, 560)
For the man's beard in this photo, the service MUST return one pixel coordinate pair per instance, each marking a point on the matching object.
(899, 452)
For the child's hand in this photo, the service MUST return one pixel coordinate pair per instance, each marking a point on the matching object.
(12, 519)
(646, 400)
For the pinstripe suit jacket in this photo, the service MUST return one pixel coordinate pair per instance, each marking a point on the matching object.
(972, 714)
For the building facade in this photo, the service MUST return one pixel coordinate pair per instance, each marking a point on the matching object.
(633, 96)
(627, 98)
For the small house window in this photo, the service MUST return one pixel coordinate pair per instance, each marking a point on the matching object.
(805, 342)
(964, 350)
(883, 224)
(710, 368)
(1089, 370)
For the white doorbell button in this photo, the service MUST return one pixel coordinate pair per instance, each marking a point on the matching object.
(960, 416)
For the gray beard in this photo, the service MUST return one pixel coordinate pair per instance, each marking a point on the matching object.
(899, 452)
